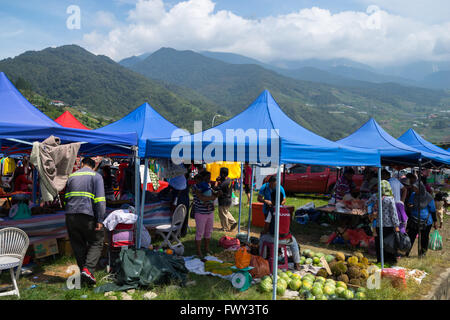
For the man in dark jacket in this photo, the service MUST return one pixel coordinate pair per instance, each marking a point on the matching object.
(85, 212)
(223, 184)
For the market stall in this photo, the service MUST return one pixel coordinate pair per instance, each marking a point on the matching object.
(53, 226)
(291, 144)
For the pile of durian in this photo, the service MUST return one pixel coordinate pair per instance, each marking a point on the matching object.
(352, 270)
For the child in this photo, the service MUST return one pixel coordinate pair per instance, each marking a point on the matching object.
(204, 211)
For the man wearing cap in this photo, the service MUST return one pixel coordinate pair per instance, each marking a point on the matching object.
(85, 212)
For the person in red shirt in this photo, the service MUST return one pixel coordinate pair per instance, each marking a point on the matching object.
(247, 181)
(21, 181)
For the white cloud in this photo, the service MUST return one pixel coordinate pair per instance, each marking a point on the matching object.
(105, 19)
(374, 36)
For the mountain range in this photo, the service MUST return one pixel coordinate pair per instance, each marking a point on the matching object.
(331, 98)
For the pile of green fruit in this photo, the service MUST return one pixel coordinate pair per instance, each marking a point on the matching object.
(319, 288)
(311, 287)
(285, 280)
(313, 258)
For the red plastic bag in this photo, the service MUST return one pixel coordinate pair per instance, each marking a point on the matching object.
(228, 242)
(260, 267)
(397, 277)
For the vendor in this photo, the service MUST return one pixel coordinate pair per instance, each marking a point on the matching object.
(285, 236)
(21, 181)
(345, 184)
(370, 183)
(265, 195)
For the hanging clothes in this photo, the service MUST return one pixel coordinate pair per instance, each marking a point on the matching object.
(54, 163)
(8, 166)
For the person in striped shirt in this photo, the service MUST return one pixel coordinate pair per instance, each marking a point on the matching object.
(204, 198)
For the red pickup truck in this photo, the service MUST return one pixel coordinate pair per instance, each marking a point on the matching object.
(312, 179)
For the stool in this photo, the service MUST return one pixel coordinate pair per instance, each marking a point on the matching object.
(269, 246)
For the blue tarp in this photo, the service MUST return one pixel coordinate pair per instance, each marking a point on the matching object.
(146, 123)
(21, 120)
(292, 143)
(413, 139)
(372, 136)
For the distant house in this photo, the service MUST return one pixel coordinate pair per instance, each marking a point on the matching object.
(57, 103)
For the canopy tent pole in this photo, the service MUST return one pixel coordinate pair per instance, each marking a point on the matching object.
(380, 218)
(250, 203)
(137, 187)
(277, 232)
(141, 207)
(240, 199)
(419, 178)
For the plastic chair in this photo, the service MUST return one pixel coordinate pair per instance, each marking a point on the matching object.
(171, 232)
(269, 247)
(13, 247)
(121, 237)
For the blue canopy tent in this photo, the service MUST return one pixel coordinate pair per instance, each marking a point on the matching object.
(413, 139)
(22, 123)
(392, 151)
(262, 125)
(372, 136)
(148, 125)
(249, 136)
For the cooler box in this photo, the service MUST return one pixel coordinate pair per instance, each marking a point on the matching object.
(258, 215)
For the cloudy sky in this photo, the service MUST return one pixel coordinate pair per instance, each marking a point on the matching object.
(375, 32)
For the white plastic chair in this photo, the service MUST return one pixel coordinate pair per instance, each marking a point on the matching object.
(13, 247)
(171, 232)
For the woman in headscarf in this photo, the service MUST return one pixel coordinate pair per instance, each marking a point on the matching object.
(423, 215)
(391, 222)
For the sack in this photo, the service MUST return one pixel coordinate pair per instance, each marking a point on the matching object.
(397, 277)
(404, 244)
(390, 243)
(228, 242)
(435, 242)
(260, 267)
(242, 258)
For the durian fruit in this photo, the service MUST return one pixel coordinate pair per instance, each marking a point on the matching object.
(340, 256)
(355, 282)
(365, 261)
(322, 273)
(338, 268)
(352, 261)
(353, 272)
(359, 255)
(364, 274)
(343, 278)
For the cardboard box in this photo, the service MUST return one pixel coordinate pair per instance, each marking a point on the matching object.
(45, 248)
(64, 247)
